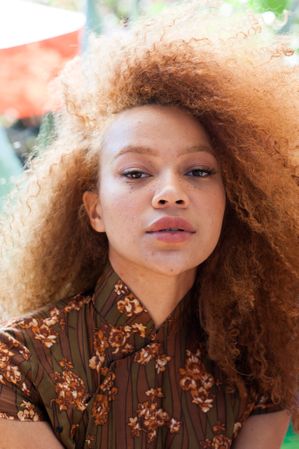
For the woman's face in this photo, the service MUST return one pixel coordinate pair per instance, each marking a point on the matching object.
(157, 163)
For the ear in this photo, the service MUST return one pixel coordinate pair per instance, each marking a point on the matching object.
(93, 208)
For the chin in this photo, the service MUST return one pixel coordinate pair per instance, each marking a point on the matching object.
(172, 268)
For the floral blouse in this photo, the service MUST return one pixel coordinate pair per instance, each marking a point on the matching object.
(96, 368)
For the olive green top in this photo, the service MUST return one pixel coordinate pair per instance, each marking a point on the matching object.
(96, 368)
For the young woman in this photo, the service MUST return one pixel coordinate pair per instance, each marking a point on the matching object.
(154, 245)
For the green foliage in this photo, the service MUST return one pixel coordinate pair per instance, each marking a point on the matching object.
(157, 7)
(276, 6)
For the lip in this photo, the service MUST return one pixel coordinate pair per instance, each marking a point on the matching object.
(171, 222)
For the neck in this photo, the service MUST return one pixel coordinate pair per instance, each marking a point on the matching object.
(159, 293)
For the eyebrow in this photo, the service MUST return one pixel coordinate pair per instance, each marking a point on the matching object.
(139, 149)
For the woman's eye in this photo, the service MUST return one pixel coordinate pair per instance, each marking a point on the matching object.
(135, 174)
(201, 172)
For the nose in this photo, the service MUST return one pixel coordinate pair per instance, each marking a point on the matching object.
(170, 193)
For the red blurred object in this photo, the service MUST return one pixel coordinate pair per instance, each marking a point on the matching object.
(35, 43)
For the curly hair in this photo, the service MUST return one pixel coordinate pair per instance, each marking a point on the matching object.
(236, 80)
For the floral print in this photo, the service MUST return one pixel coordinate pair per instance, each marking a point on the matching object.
(118, 339)
(42, 329)
(129, 305)
(28, 412)
(120, 288)
(197, 381)
(76, 304)
(151, 352)
(218, 442)
(107, 393)
(100, 344)
(9, 372)
(46, 330)
(218, 427)
(150, 417)
(148, 353)
(89, 441)
(96, 363)
(70, 388)
(236, 429)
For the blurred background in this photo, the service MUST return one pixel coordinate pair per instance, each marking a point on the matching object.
(37, 37)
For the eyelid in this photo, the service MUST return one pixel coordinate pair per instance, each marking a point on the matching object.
(135, 170)
(212, 170)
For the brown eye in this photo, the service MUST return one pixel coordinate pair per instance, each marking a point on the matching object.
(201, 172)
(135, 174)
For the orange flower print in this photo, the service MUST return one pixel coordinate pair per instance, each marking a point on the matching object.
(8, 371)
(135, 426)
(197, 381)
(96, 362)
(200, 398)
(42, 328)
(236, 429)
(70, 390)
(100, 345)
(120, 288)
(77, 303)
(107, 386)
(174, 425)
(153, 393)
(147, 353)
(118, 339)
(89, 440)
(45, 336)
(150, 417)
(28, 412)
(139, 328)
(218, 442)
(107, 393)
(100, 409)
(221, 442)
(129, 305)
(64, 363)
(218, 427)
(161, 362)
(74, 430)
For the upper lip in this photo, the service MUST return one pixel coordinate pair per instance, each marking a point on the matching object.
(170, 222)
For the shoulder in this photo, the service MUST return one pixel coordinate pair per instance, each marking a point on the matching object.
(38, 350)
(45, 324)
(260, 431)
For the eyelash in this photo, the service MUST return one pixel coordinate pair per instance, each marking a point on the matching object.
(126, 174)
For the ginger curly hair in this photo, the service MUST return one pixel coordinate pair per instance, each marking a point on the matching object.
(236, 80)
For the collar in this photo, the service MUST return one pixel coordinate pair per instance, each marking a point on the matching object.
(125, 319)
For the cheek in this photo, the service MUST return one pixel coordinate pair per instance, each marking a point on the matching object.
(214, 207)
(119, 208)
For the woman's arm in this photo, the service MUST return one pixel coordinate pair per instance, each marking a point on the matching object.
(24, 435)
(263, 431)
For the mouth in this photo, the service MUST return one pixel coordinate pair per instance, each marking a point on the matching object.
(170, 224)
(171, 235)
(169, 230)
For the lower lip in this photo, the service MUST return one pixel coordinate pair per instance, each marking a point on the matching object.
(172, 237)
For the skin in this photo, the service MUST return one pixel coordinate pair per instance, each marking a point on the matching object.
(172, 182)
(125, 208)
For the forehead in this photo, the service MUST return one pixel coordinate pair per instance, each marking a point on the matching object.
(154, 126)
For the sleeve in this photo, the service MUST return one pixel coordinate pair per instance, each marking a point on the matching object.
(19, 398)
(265, 405)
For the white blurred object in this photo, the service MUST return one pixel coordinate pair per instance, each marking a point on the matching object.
(23, 22)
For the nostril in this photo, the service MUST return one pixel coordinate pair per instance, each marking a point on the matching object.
(162, 201)
(179, 201)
